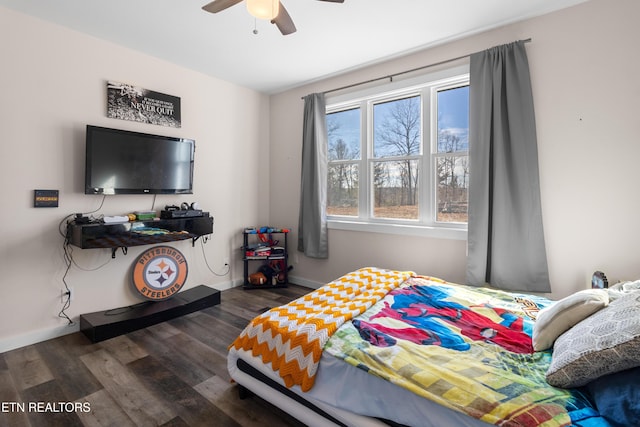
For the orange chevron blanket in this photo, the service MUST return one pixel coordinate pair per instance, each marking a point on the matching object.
(292, 336)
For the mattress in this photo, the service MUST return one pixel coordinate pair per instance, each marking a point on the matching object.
(333, 394)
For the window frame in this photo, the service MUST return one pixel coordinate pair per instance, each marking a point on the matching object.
(426, 87)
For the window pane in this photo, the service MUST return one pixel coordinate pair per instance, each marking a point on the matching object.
(342, 189)
(453, 120)
(343, 130)
(453, 185)
(395, 189)
(453, 171)
(397, 128)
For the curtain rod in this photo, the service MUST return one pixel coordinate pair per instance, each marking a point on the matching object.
(391, 76)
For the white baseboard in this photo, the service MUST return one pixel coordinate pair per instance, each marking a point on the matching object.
(227, 285)
(34, 337)
(305, 282)
(295, 280)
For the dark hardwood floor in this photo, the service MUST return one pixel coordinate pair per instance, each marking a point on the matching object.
(170, 374)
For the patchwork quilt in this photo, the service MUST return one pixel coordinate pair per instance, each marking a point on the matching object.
(466, 348)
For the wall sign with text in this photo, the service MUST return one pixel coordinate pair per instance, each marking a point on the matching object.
(127, 102)
(45, 198)
(159, 273)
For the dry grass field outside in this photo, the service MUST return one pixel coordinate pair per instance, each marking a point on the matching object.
(397, 212)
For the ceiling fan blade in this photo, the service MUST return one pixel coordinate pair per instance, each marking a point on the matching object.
(334, 1)
(284, 22)
(218, 5)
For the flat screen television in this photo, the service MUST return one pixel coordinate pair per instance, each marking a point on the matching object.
(125, 162)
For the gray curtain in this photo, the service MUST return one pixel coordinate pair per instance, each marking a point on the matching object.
(312, 223)
(506, 246)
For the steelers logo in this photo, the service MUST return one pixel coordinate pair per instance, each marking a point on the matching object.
(159, 273)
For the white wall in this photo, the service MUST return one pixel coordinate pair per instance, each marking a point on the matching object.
(584, 66)
(53, 84)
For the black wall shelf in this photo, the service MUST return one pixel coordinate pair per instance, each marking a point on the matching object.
(137, 233)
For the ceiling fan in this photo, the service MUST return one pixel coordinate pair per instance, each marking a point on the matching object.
(264, 9)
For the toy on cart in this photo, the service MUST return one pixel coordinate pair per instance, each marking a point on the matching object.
(266, 249)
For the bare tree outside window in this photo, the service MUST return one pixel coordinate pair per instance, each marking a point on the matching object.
(397, 136)
(452, 162)
(343, 131)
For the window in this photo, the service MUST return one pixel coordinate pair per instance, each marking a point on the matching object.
(401, 158)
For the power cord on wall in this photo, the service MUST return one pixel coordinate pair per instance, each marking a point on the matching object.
(66, 294)
(203, 240)
(227, 267)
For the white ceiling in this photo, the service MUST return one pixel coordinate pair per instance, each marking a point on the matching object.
(331, 37)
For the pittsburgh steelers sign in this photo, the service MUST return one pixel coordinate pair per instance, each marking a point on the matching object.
(159, 273)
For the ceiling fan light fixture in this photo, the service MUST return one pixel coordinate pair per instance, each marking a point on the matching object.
(263, 9)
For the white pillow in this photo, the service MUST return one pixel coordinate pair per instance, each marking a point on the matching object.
(554, 320)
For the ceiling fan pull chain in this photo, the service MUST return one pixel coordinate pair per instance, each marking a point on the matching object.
(255, 26)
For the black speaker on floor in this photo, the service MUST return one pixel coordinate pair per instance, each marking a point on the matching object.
(107, 324)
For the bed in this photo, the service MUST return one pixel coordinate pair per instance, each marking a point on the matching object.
(380, 347)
